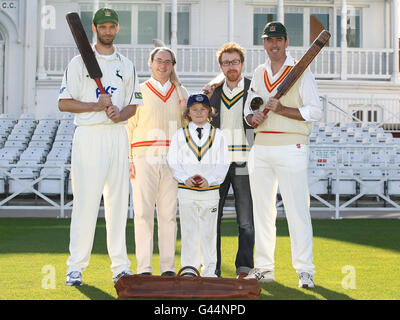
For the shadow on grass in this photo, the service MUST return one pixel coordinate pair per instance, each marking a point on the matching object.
(271, 291)
(385, 231)
(277, 291)
(52, 235)
(94, 293)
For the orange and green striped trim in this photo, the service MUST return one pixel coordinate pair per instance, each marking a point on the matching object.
(184, 186)
(199, 151)
(237, 147)
(229, 103)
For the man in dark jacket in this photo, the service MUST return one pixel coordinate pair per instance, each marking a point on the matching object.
(228, 99)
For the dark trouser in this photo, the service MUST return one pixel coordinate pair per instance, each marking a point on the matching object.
(239, 178)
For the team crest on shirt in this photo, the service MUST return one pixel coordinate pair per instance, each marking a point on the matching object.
(138, 95)
(118, 75)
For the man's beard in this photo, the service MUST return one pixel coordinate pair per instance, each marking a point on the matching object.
(233, 76)
(105, 42)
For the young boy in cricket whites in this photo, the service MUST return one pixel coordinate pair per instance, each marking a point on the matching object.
(199, 159)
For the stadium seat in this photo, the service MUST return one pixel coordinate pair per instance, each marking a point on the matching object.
(18, 144)
(63, 144)
(63, 137)
(42, 137)
(345, 185)
(27, 116)
(19, 137)
(372, 182)
(350, 131)
(26, 175)
(34, 154)
(40, 144)
(394, 187)
(318, 181)
(10, 154)
(52, 183)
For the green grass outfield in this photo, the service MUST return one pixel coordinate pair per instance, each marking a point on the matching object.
(355, 259)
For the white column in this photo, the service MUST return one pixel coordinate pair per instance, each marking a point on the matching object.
(41, 72)
(30, 58)
(343, 43)
(230, 20)
(395, 37)
(95, 8)
(174, 25)
(280, 12)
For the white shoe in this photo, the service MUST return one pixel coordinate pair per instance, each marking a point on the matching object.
(261, 275)
(123, 273)
(74, 278)
(306, 280)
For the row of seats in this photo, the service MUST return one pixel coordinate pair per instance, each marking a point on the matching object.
(37, 147)
(351, 183)
(45, 145)
(350, 133)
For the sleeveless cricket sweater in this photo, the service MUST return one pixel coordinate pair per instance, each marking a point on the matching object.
(150, 130)
(280, 130)
(232, 124)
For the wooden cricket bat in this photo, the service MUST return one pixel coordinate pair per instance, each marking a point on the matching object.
(301, 66)
(85, 49)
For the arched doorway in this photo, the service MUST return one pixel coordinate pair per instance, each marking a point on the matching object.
(2, 50)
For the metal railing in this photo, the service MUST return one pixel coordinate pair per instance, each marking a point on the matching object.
(334, 165)
(369, 64)
(380, 110)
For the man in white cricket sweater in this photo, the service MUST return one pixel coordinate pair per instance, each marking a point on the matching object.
(279, 156)
(150, 132)
(99, 164)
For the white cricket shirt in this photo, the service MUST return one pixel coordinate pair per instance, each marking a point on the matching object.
(119, 79)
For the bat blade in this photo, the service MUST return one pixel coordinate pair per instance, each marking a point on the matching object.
(83, 45)
(158, 43)
(304, 62)
(218, 80)
(301, 66)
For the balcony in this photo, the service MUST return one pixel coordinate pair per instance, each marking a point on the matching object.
(194, 62)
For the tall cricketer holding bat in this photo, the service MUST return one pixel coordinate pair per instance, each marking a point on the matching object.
(99, 164)
(279, 156)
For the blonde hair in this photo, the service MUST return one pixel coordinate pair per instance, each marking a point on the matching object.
(230, 47)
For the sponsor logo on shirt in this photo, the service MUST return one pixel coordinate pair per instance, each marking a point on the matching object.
(138, 95)
(108, 90)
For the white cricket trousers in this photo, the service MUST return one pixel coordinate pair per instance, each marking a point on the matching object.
(154, 185)
(99, 166)
(199, 234)
(288, 167)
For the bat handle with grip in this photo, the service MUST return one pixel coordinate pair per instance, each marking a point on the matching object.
(100, 86)
(266, 110)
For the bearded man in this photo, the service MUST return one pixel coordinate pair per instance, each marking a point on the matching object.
(229, 99)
